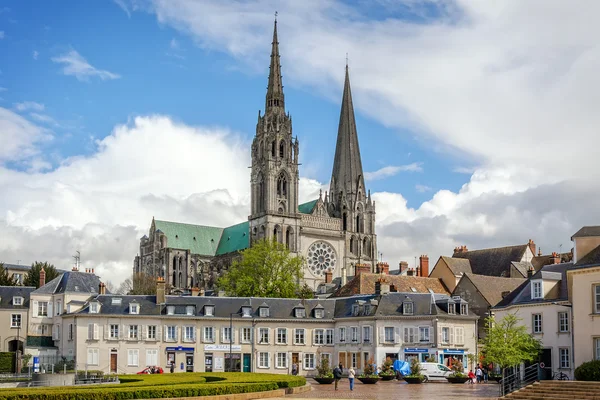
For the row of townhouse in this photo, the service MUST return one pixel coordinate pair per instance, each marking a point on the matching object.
(124, 334)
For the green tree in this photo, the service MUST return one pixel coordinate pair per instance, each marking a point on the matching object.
(267, 269)
(508, 343)
(33, 276)
(5, 279)
(306, 292)
(143, 284)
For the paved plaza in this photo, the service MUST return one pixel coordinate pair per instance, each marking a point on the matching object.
(395, 390)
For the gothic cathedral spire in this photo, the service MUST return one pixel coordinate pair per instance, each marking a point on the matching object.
(275, 99)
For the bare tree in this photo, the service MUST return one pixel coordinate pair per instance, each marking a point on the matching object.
(141, 284)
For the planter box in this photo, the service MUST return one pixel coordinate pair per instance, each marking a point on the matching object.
(387, 377)
(457, 379)
(324, 381)
(369, 380)
(413, 379)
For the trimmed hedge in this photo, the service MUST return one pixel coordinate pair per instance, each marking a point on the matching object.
(588, 371)
(7, 362)
(161, 386)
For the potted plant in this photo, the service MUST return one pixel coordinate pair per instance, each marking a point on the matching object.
(368, 375)
(457, 375)
(387, 372)
(415, 373)
(324, 373)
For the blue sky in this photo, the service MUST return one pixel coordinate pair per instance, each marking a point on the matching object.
(163, 72)
(479, 118)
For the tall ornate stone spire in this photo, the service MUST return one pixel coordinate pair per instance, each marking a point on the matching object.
(347, 173)
(275, 99)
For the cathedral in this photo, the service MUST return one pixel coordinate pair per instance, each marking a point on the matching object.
(334, 233)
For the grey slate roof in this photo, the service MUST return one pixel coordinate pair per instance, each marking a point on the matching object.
(20, 267)
(522, 294)
(8, 292)
(522, 267)
(147, 304)
(591, 258)
(587, 231)
(71, 282)
(495, 261)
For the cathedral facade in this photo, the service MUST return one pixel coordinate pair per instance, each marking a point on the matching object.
(334, 233)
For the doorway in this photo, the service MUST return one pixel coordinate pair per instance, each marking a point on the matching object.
(189, 363)
(296, 359)
(247, 362)
(208, 363)
(113, 361)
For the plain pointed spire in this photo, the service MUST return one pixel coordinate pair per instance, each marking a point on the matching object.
(347, 173)
(275, 98)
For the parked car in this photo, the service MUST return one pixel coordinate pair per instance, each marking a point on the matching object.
(435, 371)
(151, 370)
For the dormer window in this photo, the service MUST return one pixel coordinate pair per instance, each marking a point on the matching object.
(408, 308)
(116, 301)
(367, 310)
(413, 289)
(17, 301)
(451, 309)
(170, 310)
(189, 310)
(319, 313)
(246, 311)
(134, 308)
(263, 312)
(209, 311)
(300, 312)
(537, 291)
(355, 309)
(94, 308)
(464, 309)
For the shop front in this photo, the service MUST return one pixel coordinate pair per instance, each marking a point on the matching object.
(182, 358)
(222, 358)
(417, 353)
(450, 357)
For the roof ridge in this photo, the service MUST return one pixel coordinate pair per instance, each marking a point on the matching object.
(495, 248)
(185, 223)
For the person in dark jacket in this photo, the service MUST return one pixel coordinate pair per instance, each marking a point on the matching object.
(172, 367)
(337, 375)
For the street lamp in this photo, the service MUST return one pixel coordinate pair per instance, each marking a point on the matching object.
(231, 339)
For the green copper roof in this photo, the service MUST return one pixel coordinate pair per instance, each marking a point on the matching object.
(234, 238)
(306, 208)
(203, 240)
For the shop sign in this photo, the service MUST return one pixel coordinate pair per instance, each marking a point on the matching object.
(416, 350)
(181, 348)
(454, 351)
(222, 347)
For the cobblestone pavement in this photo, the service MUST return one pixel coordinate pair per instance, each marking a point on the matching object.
(394, 390)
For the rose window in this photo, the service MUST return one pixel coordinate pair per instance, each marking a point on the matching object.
(321, 257)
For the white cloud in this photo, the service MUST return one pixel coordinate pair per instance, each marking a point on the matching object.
(19, 137)
(392, 170)
(35, 54)
(123, 6)
(76, 65)
(43, 118)
(29, 105)
(423, 188)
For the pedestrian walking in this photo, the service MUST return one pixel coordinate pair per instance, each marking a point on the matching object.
(337, 375)
(351, 377)
(479, 374)
(485, 374)
(471, 377)
(172, 367)
(294, 369)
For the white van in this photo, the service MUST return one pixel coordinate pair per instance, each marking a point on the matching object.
(434, 371)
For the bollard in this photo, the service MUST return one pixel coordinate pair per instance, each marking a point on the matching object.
(65, 369)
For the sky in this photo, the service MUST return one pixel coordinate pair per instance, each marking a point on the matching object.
(477, 121)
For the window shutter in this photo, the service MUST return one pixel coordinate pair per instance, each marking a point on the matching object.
(396, 335)
(269, 360)
(358, 333)
(313, 337)
(452, 334)
(440, 337)
(106, 332)
(176, 333)
(406, 335)
(35, 308)
(123, 330)
(96, 333)
(144, 332)
(49, 309)
(381, 335)
(358, 363)
(337, 335)
(158, 332)
(165, 331)
(90, 331)
(233, 333)
(194, 334)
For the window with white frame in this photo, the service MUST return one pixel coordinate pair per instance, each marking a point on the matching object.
(451, 307)
(263, 312)
(367, 309)
(597, 348)
(410, 334)
(209, 311)
(565, 361)
(263, 335)
(116, 301)
(171, 333)
(299, 335)
(597, 299)
(94, 308)
(281, 360)
(134, 308)
(133, 332)
(246, 335)
(133, 357)
(309, 361)
(209, 334)
(18, 279)
(15, 320)
(92, 356)
(354, 360)
(263, 359)
(536, 290)
(93, 332)
(42, 308)
(225, 334)
(56, 332)
(342, 333)
(326, 356)
(354, 334)
(300, 312)
(17, 301)
(151, 332)
(563, 321)
(355, 309)
(445, 335)
(423, 334)
(319, 313)
(408, 308)
(246, 311)
(328, 336)
(189, 334)
(459, 335)
(189, 310)
(464, 309)
(319, 336)
(366, 334)
(151, 357)
(114, 331)
(537, 323)
(281, 335)
(58, 308)
(389, 334)
(170, 310)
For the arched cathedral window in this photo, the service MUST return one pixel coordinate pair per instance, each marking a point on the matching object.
(273, 149)
(281, 149)
(282, 185)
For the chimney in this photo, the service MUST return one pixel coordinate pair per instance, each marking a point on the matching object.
(410, 272)
(424, 266)
(529, 273)
(382, 287)
(42, 277)
(195, 291)
(539, 251)
(160, 291)
(383, 268)
(460, 250)
(555, 258)
(532, 246)
(328, 276)
(101, 288)
(403, 266)
(361, 269)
